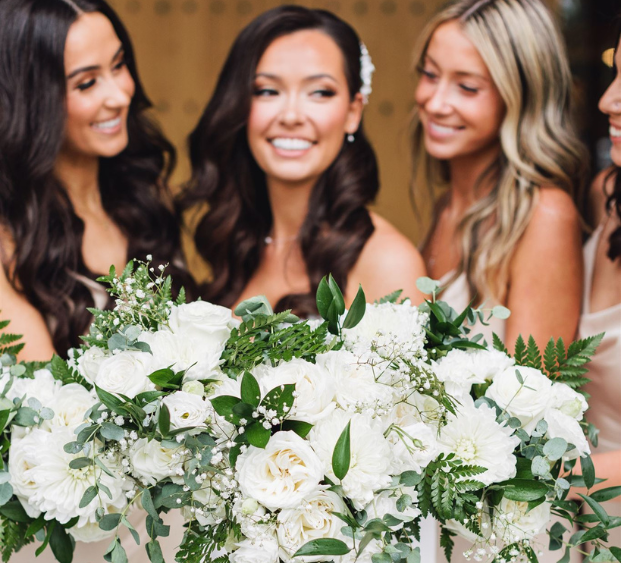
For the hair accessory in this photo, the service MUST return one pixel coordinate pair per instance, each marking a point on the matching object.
(366, 72)
(351, 138)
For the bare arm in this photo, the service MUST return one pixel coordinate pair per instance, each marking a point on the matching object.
(25, 320)
(546, 276)
(389, 261)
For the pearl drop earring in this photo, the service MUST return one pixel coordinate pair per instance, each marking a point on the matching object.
(350, 138)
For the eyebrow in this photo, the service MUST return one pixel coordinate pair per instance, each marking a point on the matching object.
(93, 67)
(307, 79)
(462, 72)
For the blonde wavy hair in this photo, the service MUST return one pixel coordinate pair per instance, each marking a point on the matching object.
(526, 58)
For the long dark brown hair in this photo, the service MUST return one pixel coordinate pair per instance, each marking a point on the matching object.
(230, 236)
(34, 206)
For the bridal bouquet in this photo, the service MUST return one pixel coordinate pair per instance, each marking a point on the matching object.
(288, 440)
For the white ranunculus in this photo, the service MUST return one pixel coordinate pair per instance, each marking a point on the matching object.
(518, 522)
(476, 438)
(356, 388)
(414, 446)
(186, 409)
(260, 550)
(207, 324)
(151, 462)
(181, 352)
(90, 361)
(371, 454)
(69, 405)
(314, 385)
(568, 401)
(56, 489)
(528, 401)
(460, 369)
(126, 373)
(281, 475)
(314, 519)
(563, 426)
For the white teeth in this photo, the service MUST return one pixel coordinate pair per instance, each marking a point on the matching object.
(614, 132)
(111, 124)
(288, 144)
(441, 128)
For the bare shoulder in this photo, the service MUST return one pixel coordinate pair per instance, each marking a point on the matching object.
(388, 261)
(555, 209)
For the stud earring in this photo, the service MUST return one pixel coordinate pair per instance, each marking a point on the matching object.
(350, 138)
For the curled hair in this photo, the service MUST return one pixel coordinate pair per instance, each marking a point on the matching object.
(525, 55)
(230, 236)
(35, 209)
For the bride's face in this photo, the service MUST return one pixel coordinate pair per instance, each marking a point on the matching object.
(99, 89)
(301, 108)
(610, 104)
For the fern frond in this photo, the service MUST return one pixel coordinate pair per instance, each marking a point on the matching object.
(533, 355)
(520, 351)
(498, 344)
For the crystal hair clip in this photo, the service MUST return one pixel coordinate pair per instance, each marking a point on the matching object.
(366, 72)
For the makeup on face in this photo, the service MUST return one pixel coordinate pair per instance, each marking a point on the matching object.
(610, 104)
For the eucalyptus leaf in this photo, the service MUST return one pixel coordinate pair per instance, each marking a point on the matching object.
(110, 521)
(88, 496)
(6, 492)
(501, 312)
(427, 285)
(80, 462)
(111, 431)
(555, 448)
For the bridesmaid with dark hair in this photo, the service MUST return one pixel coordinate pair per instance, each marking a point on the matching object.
(281, 158)
(83, 169)
(83, 184)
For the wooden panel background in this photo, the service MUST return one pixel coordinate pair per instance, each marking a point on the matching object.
(181, 46)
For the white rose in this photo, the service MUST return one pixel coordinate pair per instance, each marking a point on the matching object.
(519, 523)
(207, 324)
(568, 401)
(563, 426)
(313, 520)
(90, 532)
(314, 385)
(281, 475)
(22, 459)
(386, 503)
(69, 405)
(476, 438)
(371, 454)
(260, 550)
(181, 352)
(417, 408)
(194, 387)
(213, 507)
(462, 531)
(151, 462)
(186, 409)
(126, 373)
(414, 447)
(90, 362)
(460, 369)
(356, 388)
(528, 401)
(42, 387)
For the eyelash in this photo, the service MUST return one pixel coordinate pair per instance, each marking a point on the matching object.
(266, 92)
(90, 83)
(431, 76)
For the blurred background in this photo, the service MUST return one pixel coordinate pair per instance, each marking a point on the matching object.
(181, 46)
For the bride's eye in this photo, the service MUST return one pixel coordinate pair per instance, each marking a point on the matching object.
(265, 92)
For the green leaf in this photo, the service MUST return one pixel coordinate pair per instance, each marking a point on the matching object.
(414, 556)
(110, 521)
(410, 478)
(13, 510)
(588, 471)
(597, 509)
(523, 490)
(381, 558)
(163, 420)
(337, 295)
(427, 285)
(604, 495)
(111, 431)
(357, 310)
(88, 496)
(257, 435)
(131, 529)
(323, 546)
(154, 552)
(555, 448)
(341, 457)
(224, 404)
(25, 417)
(250, 390)
(616, 551)
(501, 312)
(166, 378)
(147, 504)
(6, 492)
(80, 462)
(392, 297)
(62, 545)
(300, 427)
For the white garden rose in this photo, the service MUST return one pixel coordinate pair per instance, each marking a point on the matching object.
(281, 475)
(414, 446)
(90, 362)
(355, 385)
(461, 369)
(417, 408)
(386, 503)
(42, 387)
(180, 353)
(207, 324)
(260, 550)
(312, 520)
(69, 405)
(186, 409)
(476, 438)
(371, 454)
(563, 426)
(568, 401)
(314, 385)
(514, 521)
(22, 459)
(151, 462)
(528, 401)
(126, 373)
